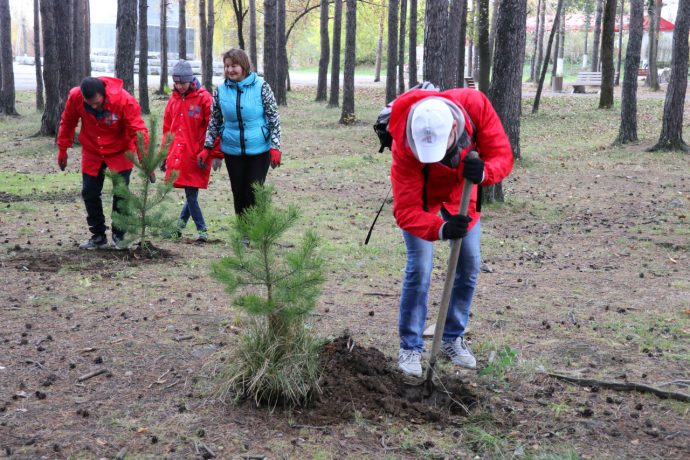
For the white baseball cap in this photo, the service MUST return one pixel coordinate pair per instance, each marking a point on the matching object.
(430, 126)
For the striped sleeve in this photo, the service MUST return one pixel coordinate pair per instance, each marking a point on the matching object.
(214, 124)
(272, 117)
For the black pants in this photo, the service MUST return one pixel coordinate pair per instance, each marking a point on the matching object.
(91, 189)
(244, 172)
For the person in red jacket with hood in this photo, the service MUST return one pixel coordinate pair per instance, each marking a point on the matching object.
(432, 134)
(110, 120)
(186, 117)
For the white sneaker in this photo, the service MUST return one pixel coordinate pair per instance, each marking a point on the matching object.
(459, 353)
(410, 362)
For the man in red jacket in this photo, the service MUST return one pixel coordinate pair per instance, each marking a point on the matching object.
(110, 120)
(432, 135)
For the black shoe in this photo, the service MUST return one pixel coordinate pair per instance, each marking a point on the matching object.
(95, 242)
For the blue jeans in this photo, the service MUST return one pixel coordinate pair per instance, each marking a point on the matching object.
(191, 208)
(415, 290)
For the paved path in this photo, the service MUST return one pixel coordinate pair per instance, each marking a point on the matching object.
(25, 80)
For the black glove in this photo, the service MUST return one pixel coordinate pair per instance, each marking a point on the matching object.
(163, 165)
(473, 169)
(455, 227)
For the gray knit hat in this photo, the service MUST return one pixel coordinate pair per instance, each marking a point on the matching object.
(182, 72)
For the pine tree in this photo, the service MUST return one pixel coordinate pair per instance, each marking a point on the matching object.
(277, 359)
(141, 212)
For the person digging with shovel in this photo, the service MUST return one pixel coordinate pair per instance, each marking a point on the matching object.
(433, 134)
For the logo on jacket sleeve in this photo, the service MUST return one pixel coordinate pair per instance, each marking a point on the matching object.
(194, 111)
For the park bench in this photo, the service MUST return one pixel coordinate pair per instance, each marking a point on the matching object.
(469, 82)
(587, 79)
(642, 72)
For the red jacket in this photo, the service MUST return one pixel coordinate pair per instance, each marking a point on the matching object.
(186, 118)
(106, 139)
(443, 184)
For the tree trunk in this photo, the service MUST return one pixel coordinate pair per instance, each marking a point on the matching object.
(87, 37)
(588, 19)
(401, 47)
(412, 46)
(64, 10)
(607, 41)
(7, 92)
(451, 66)
(620, 43)
(561, 41)
(540, 39)
(334, 96)
(270, 40)
(164, 46)
(492, 31)
(126, 42)
(78, 39)
(505, 92)
(143, 57)
(672, 125)
(253, 56)
(51, 113)
(347, 115)
(460, 82)
(484, 49)
(208, 52)
(556, 48)
(597, 35)
(379, 48)
(54, 23)
(547, 55)
(182, 30)
(628, 128)
(392, 55)
(238, 8)
(282, 67)
(435, 26)
(653, 12)
(475, 42)
(203, 37)
(533, 61)
(471, 35)
(322, 82)
(40, 104)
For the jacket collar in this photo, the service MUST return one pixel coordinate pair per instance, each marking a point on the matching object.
(248, 81)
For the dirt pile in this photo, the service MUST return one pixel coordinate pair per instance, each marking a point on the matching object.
(358, 380)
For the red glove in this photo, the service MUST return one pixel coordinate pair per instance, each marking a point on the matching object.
(275, 158)
(202, 158)
(62, 159)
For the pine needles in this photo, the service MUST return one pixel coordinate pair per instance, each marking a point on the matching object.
(276, 361)
(140, 212)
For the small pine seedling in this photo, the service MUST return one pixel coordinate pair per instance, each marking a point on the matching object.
(277, 359)
(141, 213)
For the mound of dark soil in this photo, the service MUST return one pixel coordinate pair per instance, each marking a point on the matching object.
(365, 381)
(52, 197)
(52, 261)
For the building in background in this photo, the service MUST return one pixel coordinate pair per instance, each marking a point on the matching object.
(104, 16)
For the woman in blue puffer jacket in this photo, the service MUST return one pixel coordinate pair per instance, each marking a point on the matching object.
(245, 116)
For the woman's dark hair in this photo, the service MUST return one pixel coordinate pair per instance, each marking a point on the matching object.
(90, 86)
(239, 57)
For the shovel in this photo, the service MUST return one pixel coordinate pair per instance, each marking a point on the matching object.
(455, 246)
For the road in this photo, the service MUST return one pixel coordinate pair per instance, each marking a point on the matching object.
(25, 78)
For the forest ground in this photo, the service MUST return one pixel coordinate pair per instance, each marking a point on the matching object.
(587, 273)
